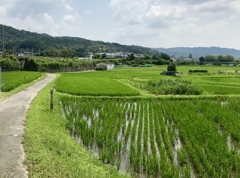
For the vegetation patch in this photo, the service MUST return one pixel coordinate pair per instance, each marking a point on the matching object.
(11, 80)
(10, 64)
(173, 87)
(56, 65)
(79, 84)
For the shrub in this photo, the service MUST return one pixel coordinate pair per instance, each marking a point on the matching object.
(101, 66)
(198, 71)
(172, 67)
(10, 64)
(171, 73)
(173, 87)
(135, 65)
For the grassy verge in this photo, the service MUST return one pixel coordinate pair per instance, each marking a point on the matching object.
(50, 151)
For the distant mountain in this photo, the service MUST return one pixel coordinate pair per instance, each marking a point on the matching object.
(23, 41)
(199, 51)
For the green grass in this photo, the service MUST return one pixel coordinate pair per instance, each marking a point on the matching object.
(79, 84)
(50, 151)
(12, 80)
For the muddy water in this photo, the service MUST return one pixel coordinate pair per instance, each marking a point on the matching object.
(122, 155)
(177, 147)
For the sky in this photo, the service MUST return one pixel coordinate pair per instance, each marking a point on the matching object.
(148, 23)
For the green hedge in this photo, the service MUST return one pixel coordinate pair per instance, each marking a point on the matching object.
(9, 64)
(198, 71)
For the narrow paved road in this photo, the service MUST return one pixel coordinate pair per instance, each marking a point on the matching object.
(12, 118)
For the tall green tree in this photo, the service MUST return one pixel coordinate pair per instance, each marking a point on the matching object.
(229, 58)
(52, 52)
(165, 56)
(131, 57)
(190, 56)
(210, 58)
(171, 67)
(202, 59)
(67, 52)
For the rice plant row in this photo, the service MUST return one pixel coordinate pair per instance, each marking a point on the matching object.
(160, 138)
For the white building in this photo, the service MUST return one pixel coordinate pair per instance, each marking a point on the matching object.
(105, 66)
(110, 66)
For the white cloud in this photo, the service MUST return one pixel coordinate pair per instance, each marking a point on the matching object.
(152, 23)
(48, 18)
(44, 16)
(69, 17)
(2, 11)
(68, 7)
(182, 21)
(233, 17)
(20, 9)
(212, 7)
(235, 4)
(89, 12)
(129, 11)
(165, 11)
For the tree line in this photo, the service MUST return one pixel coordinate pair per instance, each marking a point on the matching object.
(220, 59)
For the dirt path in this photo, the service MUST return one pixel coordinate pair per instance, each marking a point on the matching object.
(12, 117)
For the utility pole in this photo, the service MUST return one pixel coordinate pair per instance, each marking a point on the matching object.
(3, 42)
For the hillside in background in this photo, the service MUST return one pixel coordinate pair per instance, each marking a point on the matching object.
(20, 41)
(199, 51)
(23, 41)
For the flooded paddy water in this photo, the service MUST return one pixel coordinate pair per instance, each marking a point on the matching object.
(152, 138)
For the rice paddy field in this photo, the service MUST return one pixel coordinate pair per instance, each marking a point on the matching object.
(11, 80)
(131, 81)
(78, 84)
(115, 116)
(159, 138)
